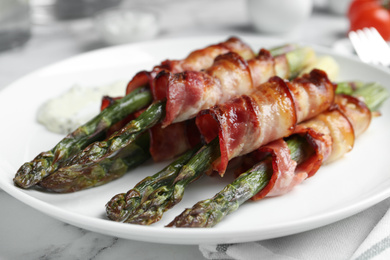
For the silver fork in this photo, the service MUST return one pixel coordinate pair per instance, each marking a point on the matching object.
(370, 46)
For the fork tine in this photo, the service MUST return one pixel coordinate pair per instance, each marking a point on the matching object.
(370, 46)
(382, 48)
(359, 42)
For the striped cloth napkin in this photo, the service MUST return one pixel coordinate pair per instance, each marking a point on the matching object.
(363, 236)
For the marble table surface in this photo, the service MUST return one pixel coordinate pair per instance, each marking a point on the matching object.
(29, 234)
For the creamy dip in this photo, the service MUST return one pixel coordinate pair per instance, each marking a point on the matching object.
(65, 113)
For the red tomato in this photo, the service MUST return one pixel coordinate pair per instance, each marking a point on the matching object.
(370, 13)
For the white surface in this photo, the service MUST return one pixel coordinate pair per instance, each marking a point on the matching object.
(319, 201)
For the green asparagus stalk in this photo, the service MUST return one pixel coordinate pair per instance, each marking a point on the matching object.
(373, 93)
(349, 88)
(165, 197)
(104, 161)
(283, 49)
(121, 205)
(113, 146)
(79, 177)
(299, 59)
(48, 162)
(209, 212)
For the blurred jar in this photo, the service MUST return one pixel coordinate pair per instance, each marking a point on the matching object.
(278, 16)
(14, 23)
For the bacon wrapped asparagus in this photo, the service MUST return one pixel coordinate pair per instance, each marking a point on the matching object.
(269, 113)
(284, 163)
(48, 162)
(229, 75)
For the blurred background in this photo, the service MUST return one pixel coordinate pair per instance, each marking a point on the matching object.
(120, 18)
(65, 28)
(38, 33)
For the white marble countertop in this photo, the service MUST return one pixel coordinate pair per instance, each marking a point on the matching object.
(29, 234)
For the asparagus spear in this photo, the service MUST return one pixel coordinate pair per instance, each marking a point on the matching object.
(283, 49)
(298, 59)
(99, 161)
(120, 206)
(79, 177)
(98, 151)
(165, 197)
(372, 93)
(46, 163)
(209, 212)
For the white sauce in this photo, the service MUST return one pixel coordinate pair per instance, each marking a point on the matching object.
(65, 113)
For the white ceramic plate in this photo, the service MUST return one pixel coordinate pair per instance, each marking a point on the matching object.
(337, 191)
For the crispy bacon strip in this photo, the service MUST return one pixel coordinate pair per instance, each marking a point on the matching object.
(189, 92)
(265, 66)
(331, 135)
(271, 112)
(195, 61)
(230, 75)
(283, 178)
